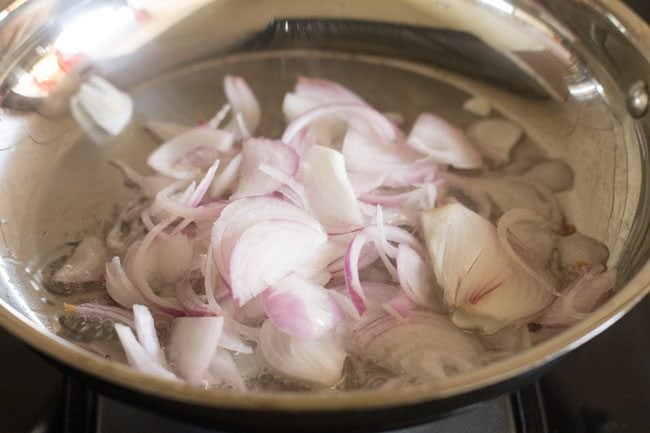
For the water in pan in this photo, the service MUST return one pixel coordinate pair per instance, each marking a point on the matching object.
(192, 95)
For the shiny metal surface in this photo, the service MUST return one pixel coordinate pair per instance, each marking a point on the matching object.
(562, 69)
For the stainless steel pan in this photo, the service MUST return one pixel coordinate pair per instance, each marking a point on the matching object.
(572, 72)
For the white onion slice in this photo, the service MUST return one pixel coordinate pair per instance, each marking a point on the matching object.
(192, 344)
(138, 357)
(311, 360)
(581, 252)
(495, 138)
(169, 200)
(554, 175)
(146, 332)
(223, 369)
(186, 155)
(360, 117)
(299, 307)
(309, 93)
(242, 214)
(443, 142)
(119, 286)
(579, 299)
(86, 263)
(225, 180)
(325, 91)
(400, 306)
(480, 283)
(509, 192)
(230, 341)
(192, 303)
(380, 235)
(256, 152)
(364, 155)
(422, 197)
(267, 251)
(423, 345)
(416, 279)
(100, 103)
(141, 269)
(243, 103)
(532, 252)
(330, 193)
(174, 257)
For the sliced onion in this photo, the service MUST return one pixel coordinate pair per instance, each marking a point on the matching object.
(168, 200)
(243, 102)
(360, 117)
(230, 341)
(325, 91)
(509, 192)
(580, 298)
(443, 142)
(186, 155)
(86, 264)
(289, 261)
(507, 341)
(352, 271)
(138, 357)
(380, 235)
(479, 282)
(363, 154)
(495, 138)
(193, 305)
(146, 332)
(399, 306)
(299, 307)
(532, 252)
(471, 189)
(140, 273)
(193, 342)
(365, 182)
(422, 198)
(119, 286)
(378, 293)
(554, 175)
(204, 185)
(250, 315)
(255, 152)
(290, 188)
(416, 279)
(329, 190)
(267, 251)
(210, 280)
(226, 178)
(242, 214)
(581, 252)
(174, 257)
(99, 103)
(311, 360)
(423, 345)
(223, 369)
(345, 304)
